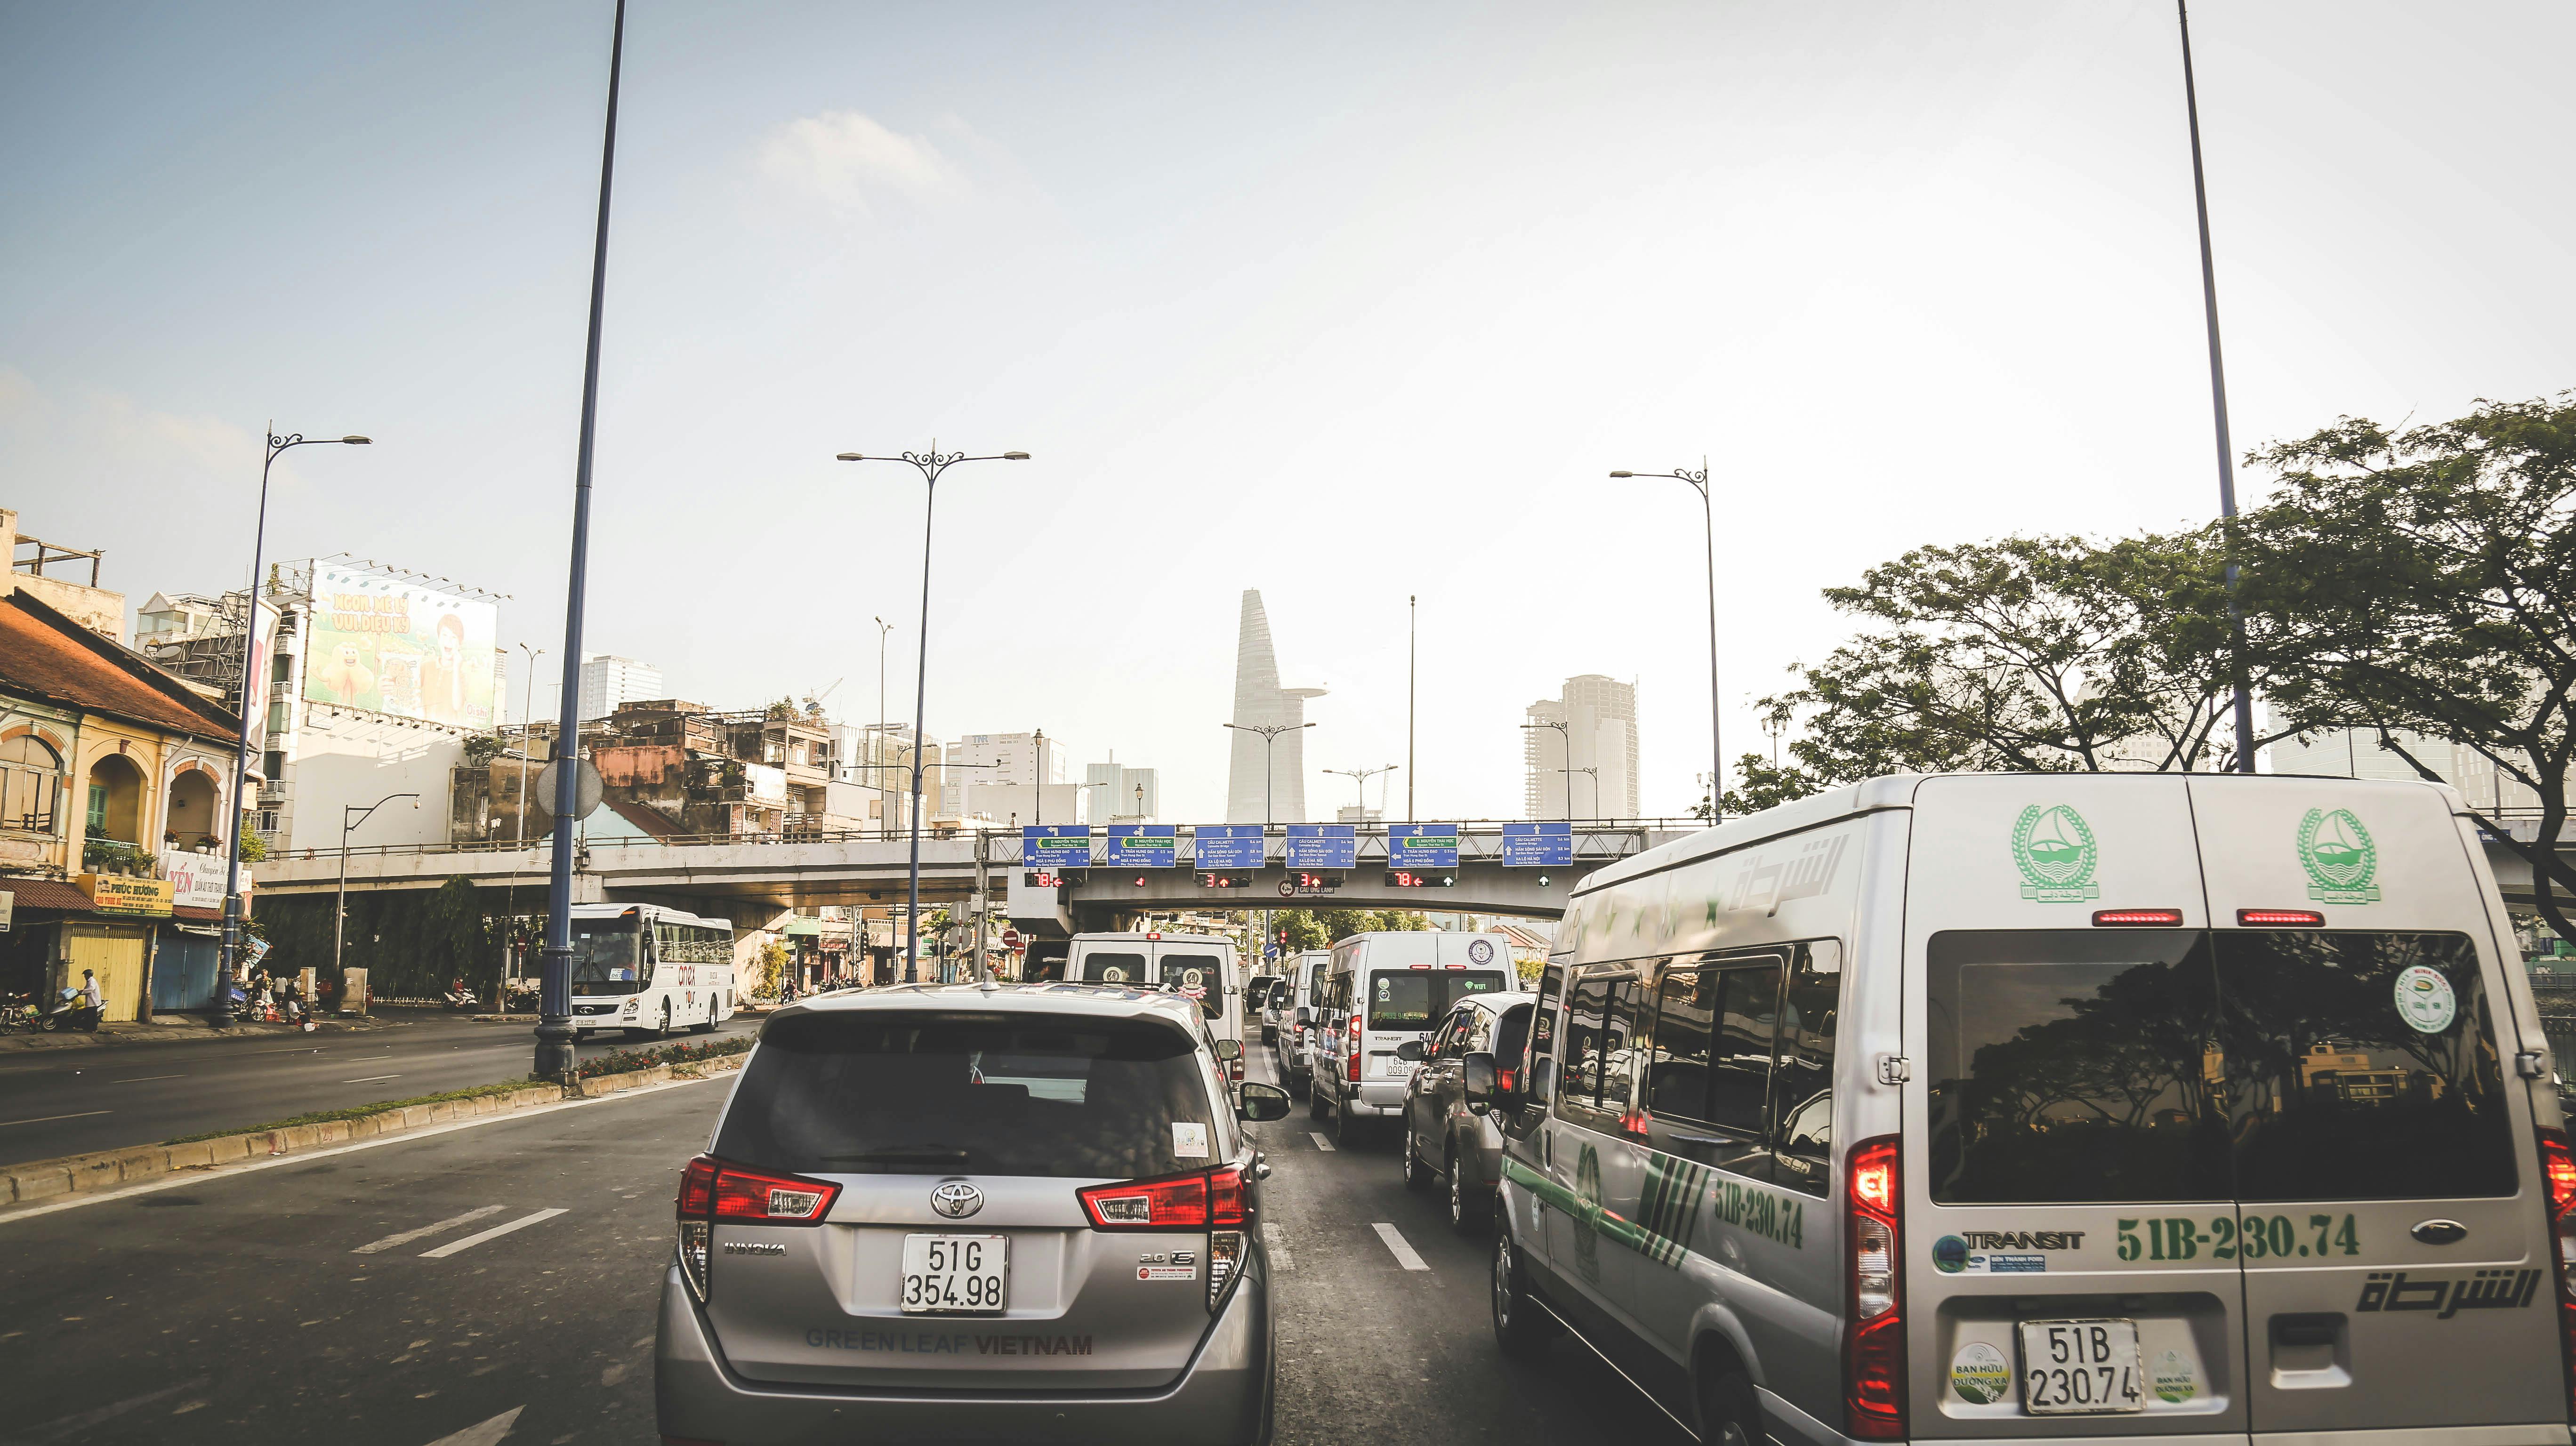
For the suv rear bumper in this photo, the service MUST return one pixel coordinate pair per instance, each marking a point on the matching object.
(1221, 1399)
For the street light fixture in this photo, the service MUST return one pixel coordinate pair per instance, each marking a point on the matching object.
(223, 1016)
(1708, 511)
(1567, 734)
(1361, 776)
(930, 464)
(1269, 734)
(350, 817)
(1595, 815)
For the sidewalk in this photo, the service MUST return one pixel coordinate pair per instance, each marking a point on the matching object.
(184, 1029)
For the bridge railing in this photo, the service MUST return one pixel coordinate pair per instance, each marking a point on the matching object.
(1606, 838)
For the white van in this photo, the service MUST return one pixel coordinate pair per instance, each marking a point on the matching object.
(1292, 1051)
(1199, 965)
(1378, 991)
(2011, 1108)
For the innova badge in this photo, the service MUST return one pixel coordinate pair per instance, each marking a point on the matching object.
(956, 1199)
(2340, 858)
(2054, 849)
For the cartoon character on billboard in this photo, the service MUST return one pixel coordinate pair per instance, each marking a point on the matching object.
(348, 677)
(442, 675)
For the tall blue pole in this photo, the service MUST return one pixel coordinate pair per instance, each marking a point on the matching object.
(555, 1033)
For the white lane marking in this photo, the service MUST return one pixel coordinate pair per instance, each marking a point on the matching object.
(487, 1434)
(470, 1241)
(194, 1176)
(372, 1079)
(408, 1236)
(142, 1078)
(1277, 1239)
(1320, 1142)
(40, 1119)
(1395, 1242)
(56, 1430)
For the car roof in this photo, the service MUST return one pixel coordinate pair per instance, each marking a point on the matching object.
(1497, 1003)
(1106, 1001)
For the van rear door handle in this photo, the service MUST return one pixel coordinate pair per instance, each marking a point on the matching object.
(2440, 1232)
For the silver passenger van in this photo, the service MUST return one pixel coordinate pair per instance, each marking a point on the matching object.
(1378, 991)
(1201, 966)
(2012, 1108)
(1293, 1050)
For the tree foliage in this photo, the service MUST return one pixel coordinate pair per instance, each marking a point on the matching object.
(2424, 581)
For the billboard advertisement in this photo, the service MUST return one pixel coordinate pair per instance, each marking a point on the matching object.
(263, 648)
(387, 645)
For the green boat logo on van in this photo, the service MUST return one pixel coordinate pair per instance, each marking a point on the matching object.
(2054, 849)
(2340, 858)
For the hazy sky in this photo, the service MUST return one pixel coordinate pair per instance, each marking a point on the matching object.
(1345, 303)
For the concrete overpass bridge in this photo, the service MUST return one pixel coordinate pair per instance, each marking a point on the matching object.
(746, 877)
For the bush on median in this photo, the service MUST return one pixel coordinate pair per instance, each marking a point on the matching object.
(625, 1061)
(507, 1086)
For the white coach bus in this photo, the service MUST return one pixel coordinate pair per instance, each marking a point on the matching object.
(649, 970)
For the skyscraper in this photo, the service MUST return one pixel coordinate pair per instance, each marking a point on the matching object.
(1259, 702)
(608, 680)
(1599, 746)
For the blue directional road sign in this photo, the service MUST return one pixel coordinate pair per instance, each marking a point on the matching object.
(1228, 846)
(1538, 845)
(1142, 846)
(1422, 845)
(1323, 846)
(1055, 846)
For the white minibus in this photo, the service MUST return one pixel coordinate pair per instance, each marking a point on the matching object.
(1201, 966)
(645, 969)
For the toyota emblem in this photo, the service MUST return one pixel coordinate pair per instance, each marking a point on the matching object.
(956, 1199)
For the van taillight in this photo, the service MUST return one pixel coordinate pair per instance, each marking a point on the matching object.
(2558, 1170)
(713, 1189)
(1874, 1333)
(1355, 1049)
(2280, 919)
(2137, 918)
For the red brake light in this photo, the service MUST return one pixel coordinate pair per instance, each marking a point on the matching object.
(1874, 1341)
(1355, 1049)
(2280, 919)
(1173, 1202)
(713, 1189)
(2137, 918)
(2558, 1169)
(1506, 1079)
(697, 1188)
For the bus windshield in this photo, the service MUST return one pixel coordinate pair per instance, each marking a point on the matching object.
(605, 956)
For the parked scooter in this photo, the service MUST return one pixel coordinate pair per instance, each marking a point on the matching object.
(462, 999)
(19, 1011)
(72, 1013)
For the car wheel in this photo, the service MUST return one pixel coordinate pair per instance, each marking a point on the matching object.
(1521, 1326)
(1729, 1413)
(1417, 1176)
(1346, 1127)
(1464, 1217)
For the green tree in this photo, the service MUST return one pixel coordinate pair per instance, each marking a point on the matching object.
(2424, 582)
(1305, 931)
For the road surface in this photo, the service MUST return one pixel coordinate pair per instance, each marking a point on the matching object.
(494, 1286)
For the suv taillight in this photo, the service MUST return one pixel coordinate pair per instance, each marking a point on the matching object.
(1213, 1201)
(1874, 1333)
(713, 1189)
(1355, 1049)
(2558, 1169)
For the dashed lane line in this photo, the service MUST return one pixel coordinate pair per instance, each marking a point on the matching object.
(1276, 1240)
(372, 1079)
(146, 1078)
(489, 1433)
(1320, 1142)
(470, 1241)
(41, 1119)
(1404, 1252)
(408, 1236)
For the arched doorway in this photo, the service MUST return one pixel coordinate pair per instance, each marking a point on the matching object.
(115, 801)
(192, 819)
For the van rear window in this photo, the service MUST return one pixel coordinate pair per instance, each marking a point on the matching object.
(1410, 999)
(891, 1093)
(2147, 1066)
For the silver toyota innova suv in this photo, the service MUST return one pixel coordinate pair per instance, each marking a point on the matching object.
(961, 1213)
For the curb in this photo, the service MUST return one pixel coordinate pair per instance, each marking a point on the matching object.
(108, 1169)
(115, 1037)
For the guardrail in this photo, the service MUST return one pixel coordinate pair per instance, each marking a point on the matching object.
(1005, 842)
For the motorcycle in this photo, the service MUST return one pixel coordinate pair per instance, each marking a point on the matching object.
(72, 1013)
(19, 1011)
(461, 1000)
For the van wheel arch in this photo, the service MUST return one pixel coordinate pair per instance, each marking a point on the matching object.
(1722, 1382)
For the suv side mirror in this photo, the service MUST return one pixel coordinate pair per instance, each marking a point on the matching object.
(1481, 1083)
(1229, 1049)
(1410, 1051)
(1259, 1102)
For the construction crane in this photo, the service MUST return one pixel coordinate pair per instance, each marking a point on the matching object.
(814, 701)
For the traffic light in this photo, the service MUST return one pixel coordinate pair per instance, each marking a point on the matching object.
(1283, 938)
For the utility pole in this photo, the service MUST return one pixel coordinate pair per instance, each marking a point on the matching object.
(1412, 671)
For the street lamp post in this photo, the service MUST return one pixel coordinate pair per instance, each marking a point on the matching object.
(877, 754)
(1567, 734)
(1412, 656)
(223, 1016)
(1269, 734)
(930, 464)
(1360, 777)
(1708, 512)
(350, 817)
(1595, 815)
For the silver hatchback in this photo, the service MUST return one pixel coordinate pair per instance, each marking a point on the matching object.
(1009, 1213)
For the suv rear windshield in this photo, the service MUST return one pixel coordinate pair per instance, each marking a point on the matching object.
(2159, 1065)
(899, 1093)
(1412, 998)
